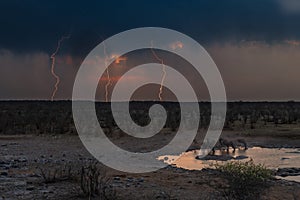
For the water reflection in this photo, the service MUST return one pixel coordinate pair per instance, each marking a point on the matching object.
(270, 157)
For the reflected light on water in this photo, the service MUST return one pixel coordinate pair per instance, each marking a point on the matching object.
(271, 157)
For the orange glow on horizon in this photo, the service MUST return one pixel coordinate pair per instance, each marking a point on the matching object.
(293, 42)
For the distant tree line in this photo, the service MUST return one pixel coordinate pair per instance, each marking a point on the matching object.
(43, 117)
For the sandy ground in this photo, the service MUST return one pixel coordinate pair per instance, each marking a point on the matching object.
(23, 156)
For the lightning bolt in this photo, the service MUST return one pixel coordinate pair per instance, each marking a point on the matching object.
(163, 70)
(107, 72)
(118, 59)
(53, 58)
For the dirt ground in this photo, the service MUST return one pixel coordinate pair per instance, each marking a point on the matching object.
(23, 158)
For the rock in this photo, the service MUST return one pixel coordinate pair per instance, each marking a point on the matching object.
(3, 173)
(130, 179)
(20, 183)
(140, 180)
(34, 175)
(284, 158)
(30, 188)
(2, 162)
(210, 171)
(44, 191)
(284, 172)
(6, 167)
(22, 160)
(294, 152)
(216, 157)
(241, 157)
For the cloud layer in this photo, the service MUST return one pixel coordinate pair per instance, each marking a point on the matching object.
(251, 71)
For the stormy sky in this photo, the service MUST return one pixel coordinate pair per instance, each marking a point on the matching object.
(255, 43)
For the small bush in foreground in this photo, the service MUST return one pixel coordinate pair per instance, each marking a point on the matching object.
(245, 178)
(95, 183)
(52, 174)
(246, 172)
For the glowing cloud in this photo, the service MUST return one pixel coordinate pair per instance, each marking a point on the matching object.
(176, 45)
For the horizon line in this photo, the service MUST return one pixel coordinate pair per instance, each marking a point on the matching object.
(158, 101)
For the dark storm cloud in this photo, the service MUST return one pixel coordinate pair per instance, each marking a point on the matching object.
(36, 25)
(255, 43)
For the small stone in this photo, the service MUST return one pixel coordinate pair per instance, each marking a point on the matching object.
(44, 191)
(20, 183)
(2, 162)
(130, 179)
(241, 157)
(30, 188)
(285, 158)
(22, 160)
(141, 180)
(7, 166)
(4, 173)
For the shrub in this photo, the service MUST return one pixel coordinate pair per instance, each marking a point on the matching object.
(245, 178)
(94, 182)
(51, 174)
